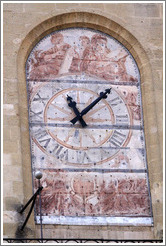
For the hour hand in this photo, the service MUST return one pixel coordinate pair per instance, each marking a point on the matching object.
(103, 95)
(72, 104)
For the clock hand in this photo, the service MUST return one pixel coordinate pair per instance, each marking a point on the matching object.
(72, 104)
(89, 107)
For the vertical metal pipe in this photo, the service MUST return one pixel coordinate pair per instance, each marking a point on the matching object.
(41, 226)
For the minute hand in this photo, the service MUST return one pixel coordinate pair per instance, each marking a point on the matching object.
(72, 104)
(89, 107)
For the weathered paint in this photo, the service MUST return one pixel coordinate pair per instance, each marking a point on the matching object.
(89, 220)
(99, 171)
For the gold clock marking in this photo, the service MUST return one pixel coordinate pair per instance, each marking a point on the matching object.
(95, 110)
(59, 119)
(78, 97)
(89, 101)
(90, 135)
(97, 120)
(70, 134)
(61, 109)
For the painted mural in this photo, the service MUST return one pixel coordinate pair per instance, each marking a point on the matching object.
(86, 130)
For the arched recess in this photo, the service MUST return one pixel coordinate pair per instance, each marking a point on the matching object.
(103, 24)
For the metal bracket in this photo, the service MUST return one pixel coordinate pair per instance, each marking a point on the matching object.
(32, 199)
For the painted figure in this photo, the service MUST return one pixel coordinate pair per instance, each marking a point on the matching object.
(100, 61)
(131, 98)
(48, 63)
(94, 58)
(76, 65)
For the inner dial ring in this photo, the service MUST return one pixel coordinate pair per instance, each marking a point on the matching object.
(72, 136)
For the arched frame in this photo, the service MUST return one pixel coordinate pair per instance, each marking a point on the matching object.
(105, 25)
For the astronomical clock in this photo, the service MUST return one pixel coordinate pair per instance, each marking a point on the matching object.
(86, 130)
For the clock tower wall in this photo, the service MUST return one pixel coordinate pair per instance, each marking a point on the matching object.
(141, 34)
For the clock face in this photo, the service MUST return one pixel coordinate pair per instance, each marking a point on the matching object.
(67, 74)
(72, 144)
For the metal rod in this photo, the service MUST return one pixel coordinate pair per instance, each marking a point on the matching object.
(30, 211)
(26, 205)
(41, 226)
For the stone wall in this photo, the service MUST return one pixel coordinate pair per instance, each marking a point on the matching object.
(139, 27)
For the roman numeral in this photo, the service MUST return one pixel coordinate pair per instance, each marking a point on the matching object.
(64, 155)
(60, 152)
(36, 115)
(117, 138)
(57, 149)
(40, 133)
(46, 142)
(121, 119)
(39, 98)
(82, 157)
(115, 101)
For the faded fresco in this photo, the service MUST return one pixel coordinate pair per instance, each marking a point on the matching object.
(85, 194)
(94, 166)
(90, 55)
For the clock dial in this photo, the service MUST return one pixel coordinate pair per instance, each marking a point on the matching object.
(94, 167)
(77, 137)
(107, 132)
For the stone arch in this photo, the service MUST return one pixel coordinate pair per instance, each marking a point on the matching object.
(93, 21)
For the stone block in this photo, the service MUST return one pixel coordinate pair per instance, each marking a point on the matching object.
(147, 9)
(10, 98)
(10, 109)
(155, 176)
(157, 210)
(9, 229)
(158, 80)
(9, 63)
(38, 7)
(11, 217)
(116, 234)
(6, 133)
(13, 173)
(158, 54)
(47, 233)
(119, 9)
(149, 98)
(13, 203)
(10, 71)
(67, 5)
(157, 64)
(9, 48)
(11, 120)
(11, 147)
(16, 159)
(17, 188)
(15, 133)
(155, 156)
(7, 159)
(10, 85)
(92, 6)
(13, 7)
(157, 192)
(138, 235)
(7, 188)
